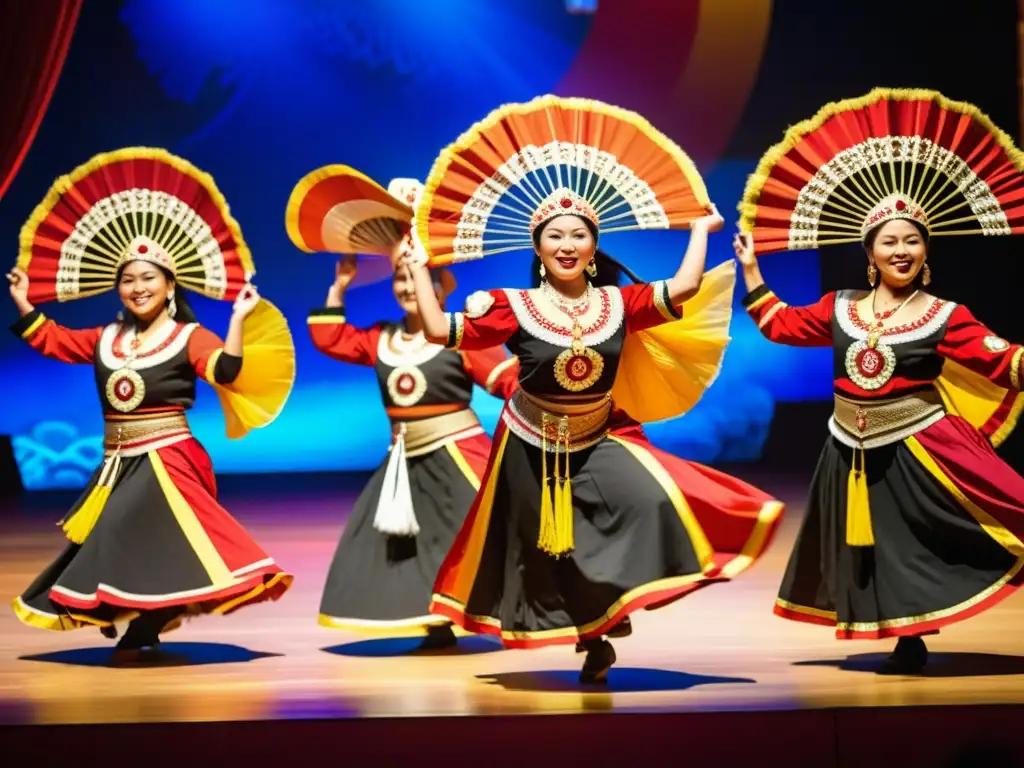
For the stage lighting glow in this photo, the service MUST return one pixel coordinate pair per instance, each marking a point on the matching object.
(581, 6)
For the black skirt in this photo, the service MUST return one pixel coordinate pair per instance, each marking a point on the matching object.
(161, 540)
(933, 562)
(382, 583)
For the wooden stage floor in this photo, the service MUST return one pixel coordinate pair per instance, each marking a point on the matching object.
(718, 650)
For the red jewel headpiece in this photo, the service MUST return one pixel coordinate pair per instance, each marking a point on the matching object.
(143, 248)
(559, 203)
(895, 206)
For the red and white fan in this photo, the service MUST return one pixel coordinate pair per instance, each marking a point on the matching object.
(73, 242)
(820, 184)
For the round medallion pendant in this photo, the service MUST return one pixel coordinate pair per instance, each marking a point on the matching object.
(406, 385)
(870, 367)
(125, 390)
(578, 368)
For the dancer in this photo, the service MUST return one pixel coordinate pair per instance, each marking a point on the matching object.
(148, 542)
(913, 522)
(579, 520)
(405, 520)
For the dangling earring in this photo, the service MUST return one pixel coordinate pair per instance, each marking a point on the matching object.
(592, 268)
(543, 272)
(926, 274)
(172, 308)
(872, 274)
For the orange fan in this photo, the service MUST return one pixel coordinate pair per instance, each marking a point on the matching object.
(73, 242)
(484, 189)
(821, 184)
(337, 209)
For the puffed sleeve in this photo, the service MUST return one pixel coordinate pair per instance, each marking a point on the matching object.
(648, 305)
(207, 356)
(971, 344)
(809, 326)
(493, 370)
(336, 338)
(55, 341)
(487, 321)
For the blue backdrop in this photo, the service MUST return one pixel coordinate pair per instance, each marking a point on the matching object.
(259, 93)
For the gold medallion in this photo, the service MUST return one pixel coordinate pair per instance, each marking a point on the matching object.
(125, 390)
(578, 368)
(870, 365)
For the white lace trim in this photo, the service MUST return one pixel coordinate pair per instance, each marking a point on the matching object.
(402, 357)
(106, 346)
(519, 301)
(842, 313)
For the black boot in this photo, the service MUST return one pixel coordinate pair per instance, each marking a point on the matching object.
(140, 644)
(438, 638)
(909, 658)
(623, 629)
(600, 657)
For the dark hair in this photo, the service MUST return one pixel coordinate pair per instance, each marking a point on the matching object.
(609, 271)
(872, 235)
(183, 310)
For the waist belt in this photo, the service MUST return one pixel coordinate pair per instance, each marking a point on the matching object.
(135, 436)
(869, 424)
(425, 435)
(557, 427)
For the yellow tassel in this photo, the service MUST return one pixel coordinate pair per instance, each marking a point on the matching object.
(78, 527)
(80, 524)
(858, 505)
(546, 541)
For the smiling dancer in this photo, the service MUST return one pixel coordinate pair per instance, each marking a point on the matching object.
(149, 544)
(913, 522)
(580, 521)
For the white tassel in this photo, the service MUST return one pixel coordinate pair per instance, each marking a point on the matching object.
(395, 515)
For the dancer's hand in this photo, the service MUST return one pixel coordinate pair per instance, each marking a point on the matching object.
(345, 272)
(743, 244)
(246, 302)
(713, 222)
(19, 290)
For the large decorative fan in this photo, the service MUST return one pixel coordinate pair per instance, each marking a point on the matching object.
(820, 185)
(257, 395)
(992, 410)
(339, 210)
(665, 370)
(71, 245)
(485, 188)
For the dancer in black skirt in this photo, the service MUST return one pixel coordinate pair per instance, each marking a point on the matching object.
(149, 544)
(580, 521)
(405, 520)
(913, 522)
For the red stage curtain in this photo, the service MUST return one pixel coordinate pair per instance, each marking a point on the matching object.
(34, 39)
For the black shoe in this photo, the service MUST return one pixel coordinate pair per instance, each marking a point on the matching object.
(909, 658)
(600, 657)
(439, 638)
(623, 629)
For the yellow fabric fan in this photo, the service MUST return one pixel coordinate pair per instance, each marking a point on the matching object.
(986, 406)
(665, 370)
(258, 395)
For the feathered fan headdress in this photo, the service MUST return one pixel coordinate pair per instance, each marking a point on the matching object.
(133, 203)
(911, 154)
(526, 163)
